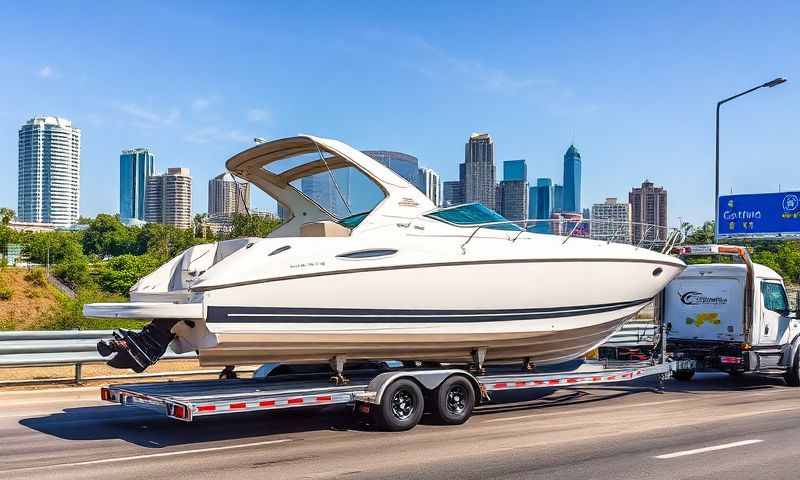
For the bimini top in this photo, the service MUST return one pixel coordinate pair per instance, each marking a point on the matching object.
(263, 165)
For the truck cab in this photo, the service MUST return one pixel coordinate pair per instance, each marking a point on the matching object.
(731, 315)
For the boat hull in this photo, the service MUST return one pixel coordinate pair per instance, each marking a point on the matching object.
(545, 339)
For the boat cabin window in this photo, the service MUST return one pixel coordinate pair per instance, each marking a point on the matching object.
(775, 297)
(473, 214)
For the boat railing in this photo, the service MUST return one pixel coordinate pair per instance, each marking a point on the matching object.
(643, 235)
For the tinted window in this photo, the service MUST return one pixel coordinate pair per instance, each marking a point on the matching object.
(473, 214)
(774, 297)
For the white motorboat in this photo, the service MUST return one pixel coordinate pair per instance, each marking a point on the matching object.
(405, 280)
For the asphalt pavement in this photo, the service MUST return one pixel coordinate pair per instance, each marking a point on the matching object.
(714, 427)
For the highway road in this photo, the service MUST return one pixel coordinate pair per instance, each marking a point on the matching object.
(714, 427)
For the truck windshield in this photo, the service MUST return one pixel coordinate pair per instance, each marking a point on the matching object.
(774, 297)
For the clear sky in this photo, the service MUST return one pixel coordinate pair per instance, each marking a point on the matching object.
(634, 84)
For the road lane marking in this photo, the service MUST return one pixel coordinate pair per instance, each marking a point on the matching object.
(149, 456)
(707, 449)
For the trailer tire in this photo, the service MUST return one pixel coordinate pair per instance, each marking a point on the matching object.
(453, 401)
(792, 375)
(683, 375)
(402, 406)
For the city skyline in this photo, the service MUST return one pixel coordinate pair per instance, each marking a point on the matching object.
(645, 108)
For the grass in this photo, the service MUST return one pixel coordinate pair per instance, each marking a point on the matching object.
(33, 304)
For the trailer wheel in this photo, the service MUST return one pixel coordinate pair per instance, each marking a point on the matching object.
(683, 375)
(453, 401)
(792, 376)
(402, 406)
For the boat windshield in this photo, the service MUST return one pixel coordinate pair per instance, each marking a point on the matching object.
(353, 221)
(473, 214)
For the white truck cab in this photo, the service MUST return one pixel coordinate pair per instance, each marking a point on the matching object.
(733, 317)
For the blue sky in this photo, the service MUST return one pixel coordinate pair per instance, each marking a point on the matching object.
(634, 84)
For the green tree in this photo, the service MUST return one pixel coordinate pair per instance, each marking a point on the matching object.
(198, 223)
(253, 225)
(74, 272)
(107, 236)
(701, 235)
(6, 215)
(118, 274)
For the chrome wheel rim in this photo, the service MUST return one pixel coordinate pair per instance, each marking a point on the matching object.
(456, 400)
(402, 405)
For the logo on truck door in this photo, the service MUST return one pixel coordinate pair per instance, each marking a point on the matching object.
(697, 298)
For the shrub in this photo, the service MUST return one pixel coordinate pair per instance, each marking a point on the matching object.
(37, 277)
(6, 293)
(74, 272)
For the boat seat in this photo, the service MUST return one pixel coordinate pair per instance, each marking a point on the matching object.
(325, 228)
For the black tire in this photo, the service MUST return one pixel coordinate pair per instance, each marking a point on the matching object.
(792, 376)
(736, 373)
(453, 401)
(683, 375)
(401, 407)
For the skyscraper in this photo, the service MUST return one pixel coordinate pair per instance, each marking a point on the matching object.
(227, 196)
(541, 204)
(135, 166)
(48, 187)
(452, 193)
(572, 180)
(515, 170)
(430, 184)
(480, 179)
(558, 198)
(403, 164)
(611, 221)
(649, 212)
(168, 198)
(513, 190)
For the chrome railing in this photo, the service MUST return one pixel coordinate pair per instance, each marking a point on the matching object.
(649, 236)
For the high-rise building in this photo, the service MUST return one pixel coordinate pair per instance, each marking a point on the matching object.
(452, 193)
(168, 198)
(541, 204)
(572, 180)
(611, 221)
(558, 198)
(227, 196)
(512, 193)
(513, 199)
(430, 184)
(480, 179)
(648, 212)
(135, 165)
(48, 186)
(515, 170)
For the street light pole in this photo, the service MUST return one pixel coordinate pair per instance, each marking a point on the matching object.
(770, 84)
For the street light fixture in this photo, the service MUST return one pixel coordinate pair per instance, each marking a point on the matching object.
(770, 84)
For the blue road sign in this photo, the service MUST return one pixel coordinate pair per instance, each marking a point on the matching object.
(759, 215)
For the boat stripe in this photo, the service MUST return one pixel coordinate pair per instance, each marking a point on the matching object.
(218, 314)
(654, 262)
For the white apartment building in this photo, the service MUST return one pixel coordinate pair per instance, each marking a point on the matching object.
(430, 184)
(48, 186)
(611, 221)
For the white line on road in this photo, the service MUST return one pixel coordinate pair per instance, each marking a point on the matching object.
(707, 449)
(149, 455)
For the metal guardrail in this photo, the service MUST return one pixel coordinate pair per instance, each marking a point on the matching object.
(54, 348)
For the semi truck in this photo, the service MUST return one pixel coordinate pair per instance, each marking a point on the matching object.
(732, 315)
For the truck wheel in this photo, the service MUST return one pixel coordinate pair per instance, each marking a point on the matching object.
(683, 375)
(792, 376)
(453, 401)
(401, 407)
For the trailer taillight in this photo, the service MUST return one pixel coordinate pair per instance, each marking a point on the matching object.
(179, 411)
(105, 394)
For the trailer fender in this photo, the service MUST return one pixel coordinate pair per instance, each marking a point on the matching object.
(427, 379)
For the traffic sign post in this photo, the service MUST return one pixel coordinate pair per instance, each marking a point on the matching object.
(760, 215)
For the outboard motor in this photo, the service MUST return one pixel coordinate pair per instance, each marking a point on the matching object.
(138, 350)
